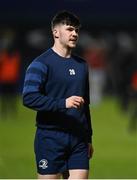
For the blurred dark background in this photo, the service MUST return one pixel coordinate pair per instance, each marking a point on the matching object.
(108, 42)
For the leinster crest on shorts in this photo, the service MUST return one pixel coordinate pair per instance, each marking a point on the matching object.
(43, 163)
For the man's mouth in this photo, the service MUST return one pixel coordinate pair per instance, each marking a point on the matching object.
(73, 40)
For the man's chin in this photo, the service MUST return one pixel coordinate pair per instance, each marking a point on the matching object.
(72, 46)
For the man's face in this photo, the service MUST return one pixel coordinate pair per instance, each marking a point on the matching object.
(67, 35)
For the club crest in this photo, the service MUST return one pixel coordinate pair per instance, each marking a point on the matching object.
(43, 163)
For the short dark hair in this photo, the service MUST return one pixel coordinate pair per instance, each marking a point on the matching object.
(65, 17)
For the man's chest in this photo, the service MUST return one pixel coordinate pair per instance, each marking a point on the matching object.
(67, 73)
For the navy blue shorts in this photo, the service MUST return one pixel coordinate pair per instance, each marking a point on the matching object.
(58, 151)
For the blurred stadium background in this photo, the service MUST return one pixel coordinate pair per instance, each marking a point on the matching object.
(108, 41)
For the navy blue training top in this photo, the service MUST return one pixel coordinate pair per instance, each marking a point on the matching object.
(49, 80)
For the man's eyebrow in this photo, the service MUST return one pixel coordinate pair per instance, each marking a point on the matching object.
(72, 27)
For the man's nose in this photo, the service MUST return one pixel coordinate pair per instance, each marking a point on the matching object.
(75, 33)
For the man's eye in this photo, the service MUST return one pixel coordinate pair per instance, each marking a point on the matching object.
(70, 29)
(77, 30)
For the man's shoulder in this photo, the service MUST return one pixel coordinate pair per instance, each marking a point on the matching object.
(79, 59)
(43, 57)
(41, 61)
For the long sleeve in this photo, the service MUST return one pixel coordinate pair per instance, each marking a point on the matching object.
(33, 95)
(87, 109)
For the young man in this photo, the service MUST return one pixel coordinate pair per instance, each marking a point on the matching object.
(56, 86)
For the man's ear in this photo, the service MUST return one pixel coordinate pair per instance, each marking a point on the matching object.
(55, 33)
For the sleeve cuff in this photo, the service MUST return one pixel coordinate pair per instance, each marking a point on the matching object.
(62, 104)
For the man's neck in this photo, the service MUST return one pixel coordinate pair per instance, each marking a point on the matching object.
(62, 51)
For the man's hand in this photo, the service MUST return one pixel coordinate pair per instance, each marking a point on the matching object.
(74, 102)
(90, 150)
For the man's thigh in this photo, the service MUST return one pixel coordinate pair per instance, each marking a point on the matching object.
(50, 149)
(78, 158)
(78, 162)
